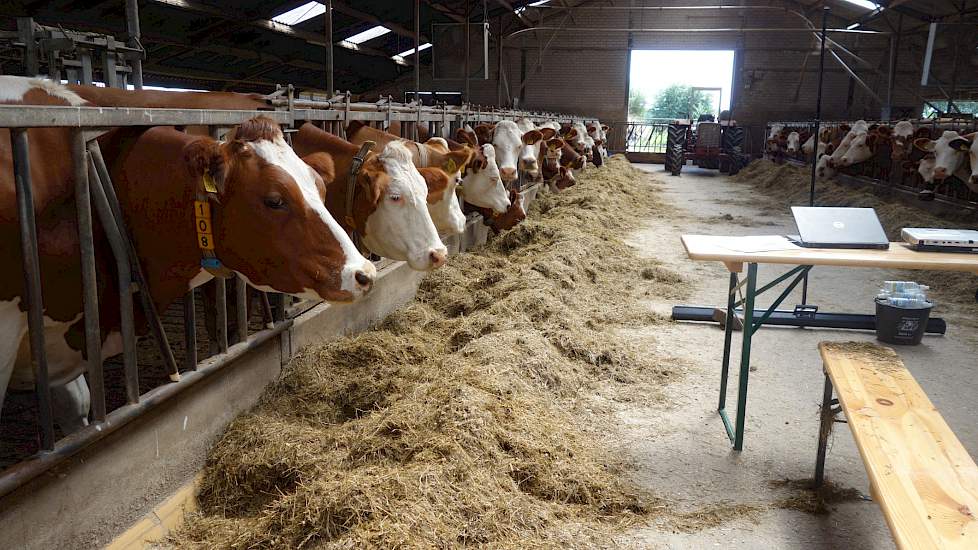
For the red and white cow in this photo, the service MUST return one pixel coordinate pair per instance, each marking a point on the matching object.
(481, 185)
(793, 142)
(508, 141)
(903, 136)
(951, 153)
(530, 153)
(443, 204)
(268, 205)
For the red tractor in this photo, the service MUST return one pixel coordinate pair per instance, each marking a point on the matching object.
(709, 144)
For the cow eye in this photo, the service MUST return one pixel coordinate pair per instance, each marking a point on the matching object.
(394, 197)
(275, 202)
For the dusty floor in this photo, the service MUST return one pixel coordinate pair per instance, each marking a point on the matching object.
(681, 448)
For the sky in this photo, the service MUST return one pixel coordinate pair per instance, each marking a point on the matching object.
(655, 70)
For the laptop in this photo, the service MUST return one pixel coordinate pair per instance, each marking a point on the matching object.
(831, 227)
(941, 240)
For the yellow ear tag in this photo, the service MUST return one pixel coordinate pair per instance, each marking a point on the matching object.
(451, 167)
(209, 184)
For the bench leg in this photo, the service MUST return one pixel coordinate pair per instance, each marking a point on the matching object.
(745, 357)
(826, 418)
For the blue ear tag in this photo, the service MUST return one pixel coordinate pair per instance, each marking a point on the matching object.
(210, 263)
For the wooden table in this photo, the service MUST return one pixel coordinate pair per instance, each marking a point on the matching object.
(711, 248)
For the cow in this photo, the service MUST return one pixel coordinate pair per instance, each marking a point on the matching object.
(530, 153)
(557, 177)
(390, 198)
(835, 158)
(824, 143)
(442, 204)
(264, 204)
(950, 152)
(508, 141)
(599, 132)
(481, 184)
(793, 141)
(864, 146)
(903, 136)
(509, 219)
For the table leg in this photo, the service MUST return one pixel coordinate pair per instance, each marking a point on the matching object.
(826, 418)
(727, 338)
(745, 356)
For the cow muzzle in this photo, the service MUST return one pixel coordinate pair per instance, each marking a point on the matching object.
(508, 174)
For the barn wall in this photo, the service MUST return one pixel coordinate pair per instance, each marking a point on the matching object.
(586, 73)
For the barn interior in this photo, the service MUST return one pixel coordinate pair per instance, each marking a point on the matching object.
(554, 383)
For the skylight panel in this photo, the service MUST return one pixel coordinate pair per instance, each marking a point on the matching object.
(864, 4)
(300, 14)
(368, 34)
(421, 48)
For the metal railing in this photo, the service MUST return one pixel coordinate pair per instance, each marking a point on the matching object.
(93, 187)
(647, 136)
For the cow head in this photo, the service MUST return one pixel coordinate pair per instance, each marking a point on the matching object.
(861, 148)
(484, 188)
(794, 139)
(926, 168)
(392, 200)
(903, 138)
(950, 151)
(509, 141)
(515, 214)
(824, 168)
(467, 137)
(269, 205)
(446, 213)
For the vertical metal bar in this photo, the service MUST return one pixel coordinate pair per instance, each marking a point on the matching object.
(499, 62)
(818, 122)
(241, 305)
(221, 303)
(727, 338)
(329, 48)
(123, 278)
(25, 33)
(928, 54)
(86, 243)
(32, 282)
(109, 68)
(745, 356)
(891, 67)
(190, 331)
(468, 48)
(266, 310)
(417, 66)
(86, 67)
(145, 298)
(132, 27)
(824, 428)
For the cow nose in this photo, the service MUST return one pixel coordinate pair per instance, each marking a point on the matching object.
(364, 280)
(507, 174)
(437, 257)
(940, 173)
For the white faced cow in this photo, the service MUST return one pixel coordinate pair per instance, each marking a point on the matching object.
(951, 151)
(794, 139)
(509, 141)
(530, 153)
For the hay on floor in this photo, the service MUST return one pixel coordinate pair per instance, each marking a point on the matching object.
(464, 417)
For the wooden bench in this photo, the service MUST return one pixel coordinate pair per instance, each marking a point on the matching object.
(922, 477)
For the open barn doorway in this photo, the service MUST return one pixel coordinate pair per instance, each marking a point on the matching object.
(674, 84)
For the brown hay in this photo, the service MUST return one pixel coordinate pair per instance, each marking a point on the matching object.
(712, 516)
(814, 501)
(783, 185)
(464, 417)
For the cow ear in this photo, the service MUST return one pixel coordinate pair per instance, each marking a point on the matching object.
(205, 160)
(960, 144)
(570, 134)
(353, 128)
(464, 136)
(872, 139)
(548, 133)
(532, 137)
(924, 144)
(456, 160)
(489, 151)
(322, 164)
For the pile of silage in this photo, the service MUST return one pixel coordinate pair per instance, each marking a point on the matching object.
(786, 185)
(469, 416)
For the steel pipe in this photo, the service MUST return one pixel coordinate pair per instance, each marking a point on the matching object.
(32, 282)
(132, 26)
(330, 88)
(86, 244)
(120, 253)
(241, 304)
(189, 331)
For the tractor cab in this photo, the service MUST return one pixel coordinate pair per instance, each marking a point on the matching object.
(708, 143)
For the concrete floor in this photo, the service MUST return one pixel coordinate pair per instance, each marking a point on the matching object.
(681, 448)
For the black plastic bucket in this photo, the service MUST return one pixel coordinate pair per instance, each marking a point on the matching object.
(901, 326)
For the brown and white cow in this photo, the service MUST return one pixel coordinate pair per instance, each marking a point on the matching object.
(481, 185)
(530, 153)
(443, 205)
(267, 207)
(509, 142)
(903, 136)
(390, 198)
(951, 154)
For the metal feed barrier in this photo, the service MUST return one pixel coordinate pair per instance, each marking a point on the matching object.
(94, 187)
(887, 175)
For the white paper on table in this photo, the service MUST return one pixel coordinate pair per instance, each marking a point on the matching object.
(755, 243)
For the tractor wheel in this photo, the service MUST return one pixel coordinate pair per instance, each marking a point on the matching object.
(675, 149)
(732, 140)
